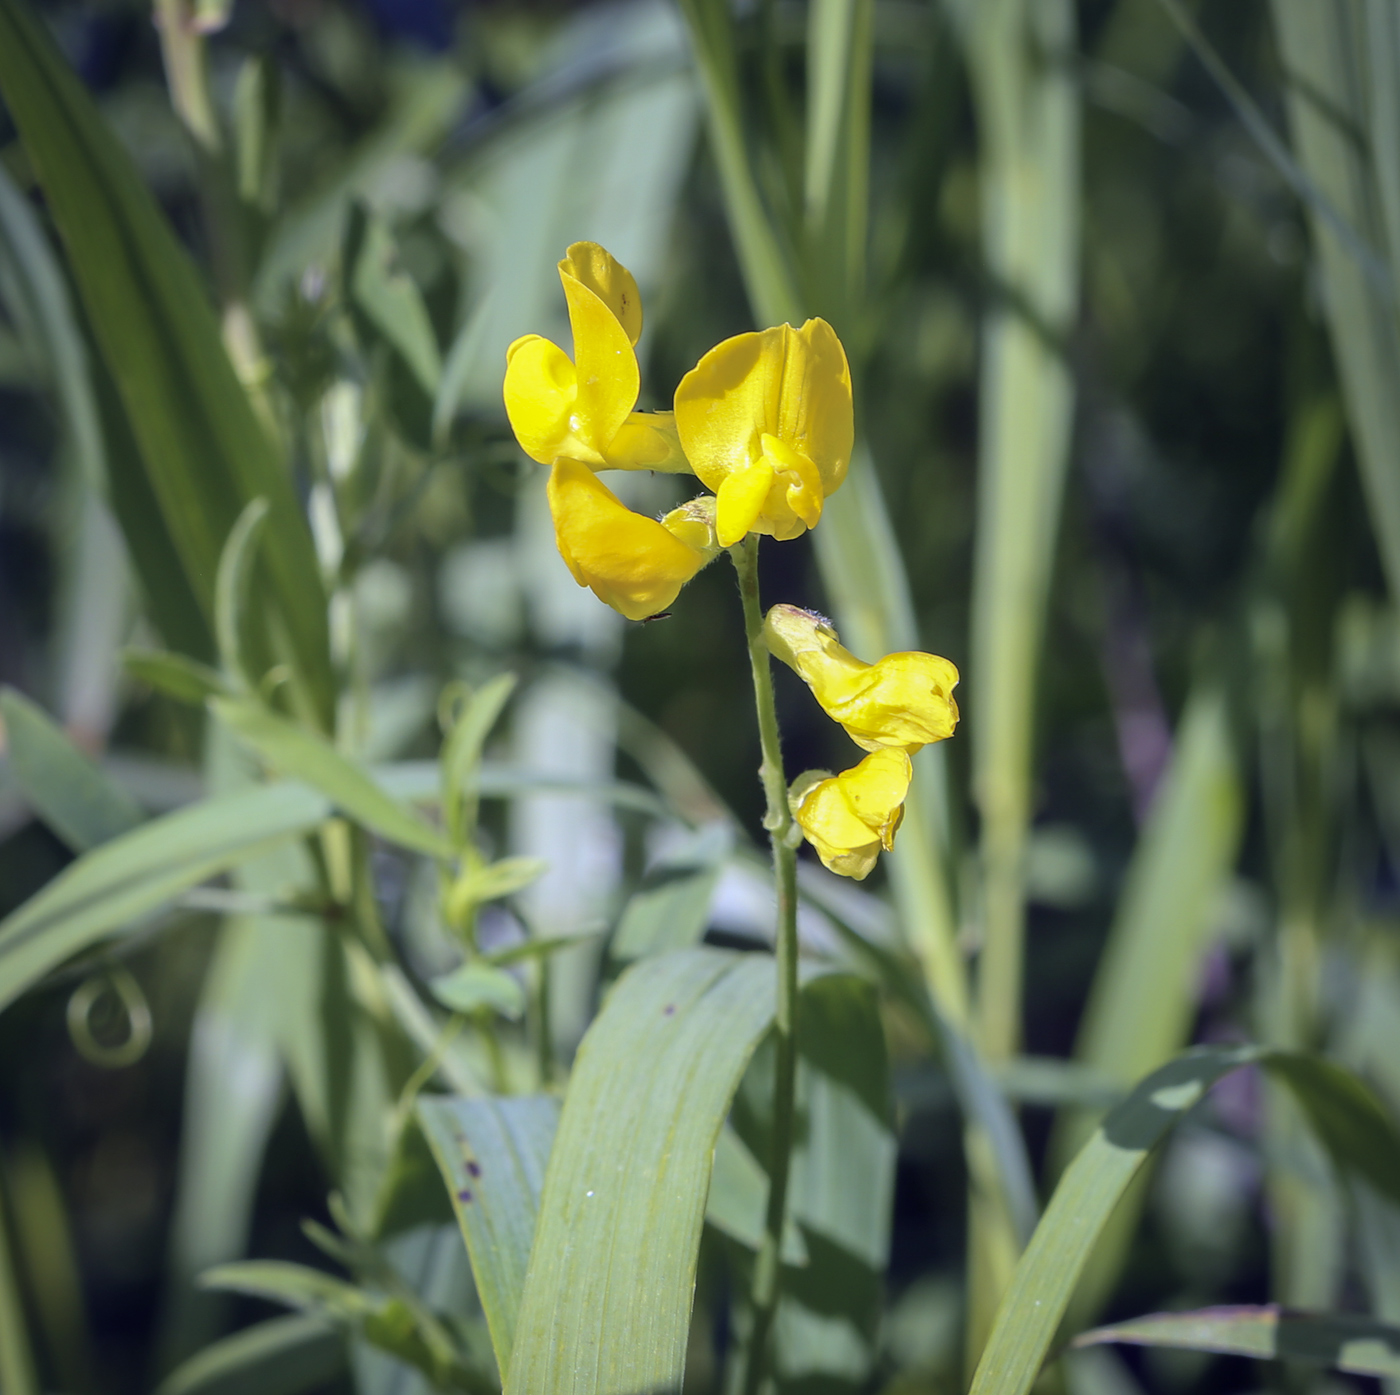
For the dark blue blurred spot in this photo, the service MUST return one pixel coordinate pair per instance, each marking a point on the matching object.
(424, 22)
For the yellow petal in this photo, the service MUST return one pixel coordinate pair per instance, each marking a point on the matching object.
(633, 563)
(802, 482)
(540, 389)
(609, 280)
(648, 441)
(905, 700)
(742, 496)
(605, 364)
(850, 817)
(793, 385)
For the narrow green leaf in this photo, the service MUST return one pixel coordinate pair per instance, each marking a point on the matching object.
(476, 986)
(292, 750)
(392, 303)
(499, 879)
(279, 1357)
(1142, 1000)
(1326, 50)
(204, 452)
(175, 675)
(1349, 1121)
(492, 1153)
(47, 306)
(131, 876)
(66, 789)
(606, 1305)
(1090, 1188)
(671, 908)
(293, 1285)
(1028, 120)
(461, 752)
(233, 588)
(1341, 1341)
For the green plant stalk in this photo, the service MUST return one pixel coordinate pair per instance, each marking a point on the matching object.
(17, 1375)
(779, 823)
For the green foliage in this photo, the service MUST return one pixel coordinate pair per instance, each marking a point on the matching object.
(1125, 451)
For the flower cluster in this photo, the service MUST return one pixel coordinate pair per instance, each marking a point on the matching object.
(765, 421)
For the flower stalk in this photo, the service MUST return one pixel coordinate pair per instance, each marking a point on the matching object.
(779, 823)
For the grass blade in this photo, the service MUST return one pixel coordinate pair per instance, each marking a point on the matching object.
(203, 450)
(66, 789)
(1340, 1341)
(1325, 53)
(1028, 115)
(141, 871)
(279, 1357)
(1048, 1271)
(492, 1154)
(292, 750)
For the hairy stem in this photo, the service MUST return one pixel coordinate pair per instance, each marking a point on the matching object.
(778, 821)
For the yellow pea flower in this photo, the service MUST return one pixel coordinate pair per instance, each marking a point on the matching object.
(635, 564)
(903, 700)
(849, 817)
(584, 407)
(765, 420)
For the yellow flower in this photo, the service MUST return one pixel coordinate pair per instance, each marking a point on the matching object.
(634, 563)
(765, 420)
(583, 407)
(849, 817)
(903, 700)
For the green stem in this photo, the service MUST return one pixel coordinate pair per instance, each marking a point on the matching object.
(17, 1375)
(778, 821)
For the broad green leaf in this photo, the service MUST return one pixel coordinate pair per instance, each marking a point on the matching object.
(204, 452)
(131, 876)
(492, 1153)
(842, 1182)
(671, 908)
(476, 986)
(1342, 1341)
(175, 675)
(292, 750)
(606, 1304)
(81, 804)
(278, 1357)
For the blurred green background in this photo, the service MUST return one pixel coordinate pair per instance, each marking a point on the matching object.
(1215, 539)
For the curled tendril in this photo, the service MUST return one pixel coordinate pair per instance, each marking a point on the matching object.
(118, 983)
